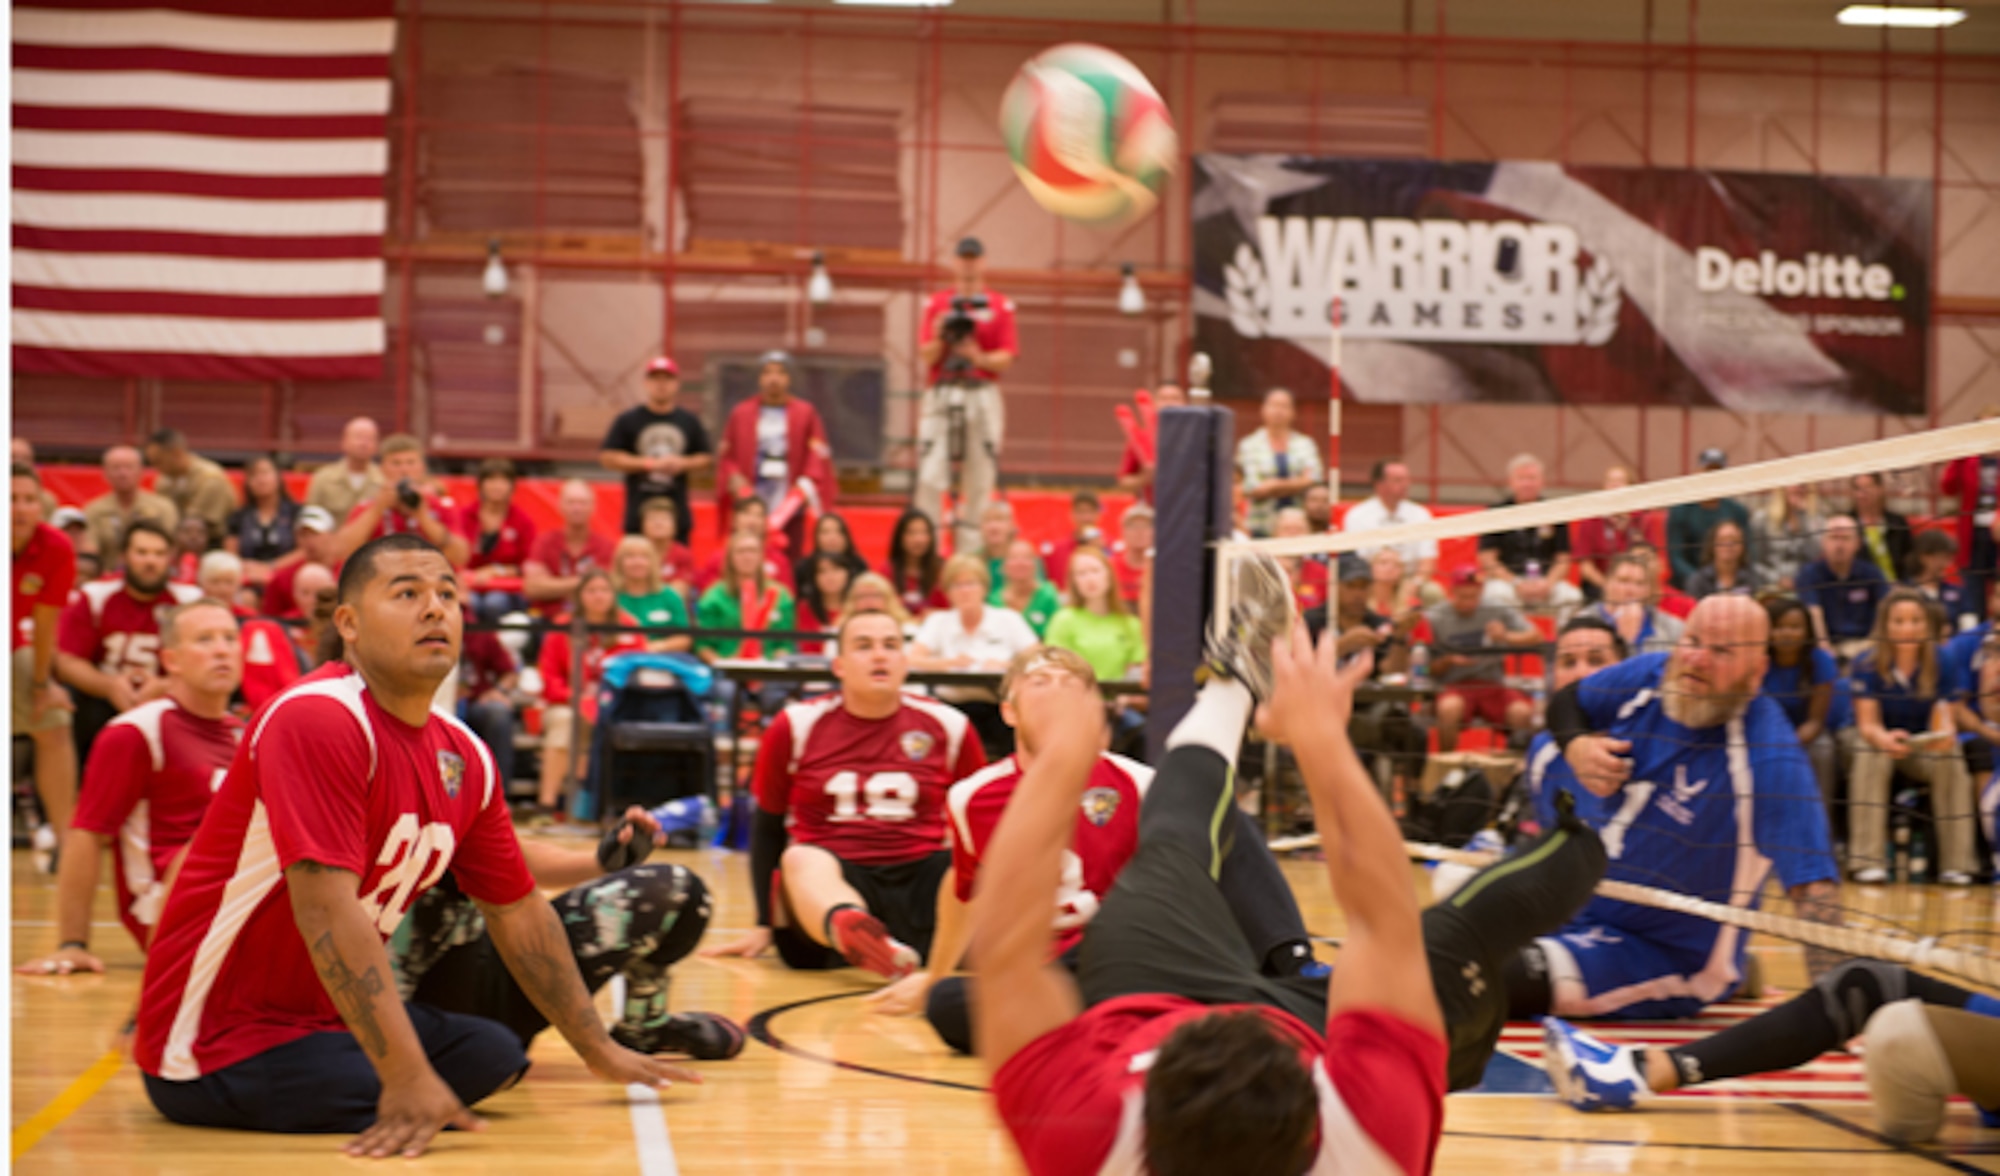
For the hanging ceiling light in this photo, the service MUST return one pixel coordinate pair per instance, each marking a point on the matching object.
(819, 284)
(1131, 296)
(1881, 15)
(494, 278)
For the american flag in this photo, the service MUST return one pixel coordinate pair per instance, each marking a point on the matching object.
(199, 188)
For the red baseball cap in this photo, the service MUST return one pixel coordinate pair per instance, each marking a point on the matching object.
(662, 365)
(1465, 576)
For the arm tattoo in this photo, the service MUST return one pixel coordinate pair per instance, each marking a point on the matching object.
(354, 995)
(1819, 902)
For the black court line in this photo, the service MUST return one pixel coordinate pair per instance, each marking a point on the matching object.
(1936, 1157)
(760, 1028)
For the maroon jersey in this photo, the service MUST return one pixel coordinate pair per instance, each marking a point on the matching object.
(325, 775)
(1074, 1098)
(551, 550)
(150, 776)
(1107, 833)
(44, 572)
(869, 791)
(115, 631)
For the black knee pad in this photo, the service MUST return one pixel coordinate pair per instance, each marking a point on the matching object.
(1530, 993)
(691, 921)
(948, 1008)
(1852, 992)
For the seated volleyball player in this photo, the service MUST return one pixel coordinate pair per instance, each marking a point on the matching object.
(1107, 831)
(1169, 1052)
(623, 918)
(1698, 785)
(148, 782)
(268, 1002)
(847, 845)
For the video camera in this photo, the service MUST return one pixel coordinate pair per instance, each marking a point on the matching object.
(957, 326)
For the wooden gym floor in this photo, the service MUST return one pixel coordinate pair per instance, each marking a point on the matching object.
(851, 1092)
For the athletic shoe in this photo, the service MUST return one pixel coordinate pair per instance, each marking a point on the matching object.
(1955, 878)
(1872, 876)
(1261, 610)
(47, 855)
(867, 944)
(1589, 1074)
(705, 1037)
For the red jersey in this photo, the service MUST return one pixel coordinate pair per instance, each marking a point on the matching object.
(278, 598)
(1074, 1098)
(114, 630)
(44, 572)
(325, 775)
(484, 663)
(869, 791)
(1309, 585)
(1131, 573)
(678, 566)
(272, 660)
(508, 547)
(1107, 833)
(992, 328)
(148, 782)
(552, 551)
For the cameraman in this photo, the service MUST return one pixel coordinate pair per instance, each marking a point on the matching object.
(968, 340)
(408, 501)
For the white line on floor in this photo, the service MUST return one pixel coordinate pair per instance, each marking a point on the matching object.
(649, 1118)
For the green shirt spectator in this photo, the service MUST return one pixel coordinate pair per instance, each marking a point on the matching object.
(1041, 606)
(664, 607)
(1110, 642)
(720, 608)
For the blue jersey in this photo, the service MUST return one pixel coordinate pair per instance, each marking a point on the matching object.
(1792, 690)
(1962, 657)
(1707, 812)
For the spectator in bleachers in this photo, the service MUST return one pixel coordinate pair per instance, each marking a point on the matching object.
(313, 532)
(1594, 541)
(748, 518)
(408, 500)
(1785, 533)
(1318, 505)
(108, 643)
(1468, 641)
(193, 483)
(1023, 589)
(193, 538)
(1965, 657)
(831, 538)
(1932, 554)
(1390, 506)
(1528, 567)
(272, 660)
(500, 537)
(746, 597)
(1133, 552)
(115, 509)
(76, 528)
(44, 571)
(219, 575)
(1308, 576)
(1804, 680)
(314, 594)
(1885, 535)
(559, 560)
(1628, 608)
(914, 566)
(1094, 622)
(596, 601)
(770, 444)
(1085, 510)
(1391, 592)
(823, 585)
(260, 532)
(1664, 596)
(1841, 589)
(23, 451)
(997, 529)
(1903, 714)
(648, 599)
(872, 592)
(1277, 462)
(488, 675)
(1975, 483)
(661, 528)
(972, 635)
(1688, 524)
(656, 444)
(1726, 569)
(1135, 471)
(340, 486)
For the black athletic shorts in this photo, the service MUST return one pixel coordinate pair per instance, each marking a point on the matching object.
(901, 894)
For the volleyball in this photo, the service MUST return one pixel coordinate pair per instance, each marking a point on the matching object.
(1090, 137)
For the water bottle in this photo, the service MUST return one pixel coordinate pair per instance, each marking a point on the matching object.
(1534, 571)
(1420, 665)
(1920, 859)
(687, 815)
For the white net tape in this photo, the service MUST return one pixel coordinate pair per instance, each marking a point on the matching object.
(1924, 953)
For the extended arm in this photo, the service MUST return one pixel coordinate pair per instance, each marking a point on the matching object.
(76, 886)
(1819, 902)
(80, 674)
(1818, 704)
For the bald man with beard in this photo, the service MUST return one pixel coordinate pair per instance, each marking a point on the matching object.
(1697, 784)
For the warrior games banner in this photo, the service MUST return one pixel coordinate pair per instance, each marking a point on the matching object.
(1535, 283)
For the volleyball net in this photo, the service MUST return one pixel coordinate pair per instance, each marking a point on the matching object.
(1832, 725)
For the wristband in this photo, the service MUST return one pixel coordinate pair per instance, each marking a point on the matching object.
(78, 944)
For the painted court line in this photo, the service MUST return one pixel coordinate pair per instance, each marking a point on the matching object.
(30, 1133)
(649, 1117)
